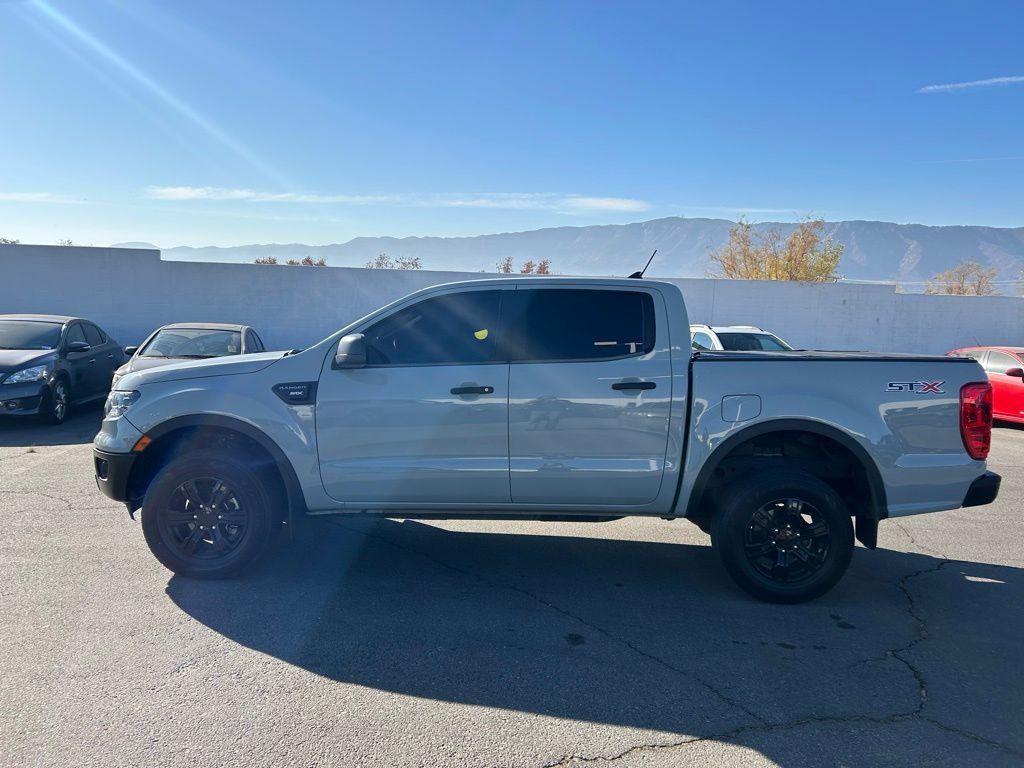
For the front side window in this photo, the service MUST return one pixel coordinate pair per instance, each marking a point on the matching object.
(29, 334)
(575, 324)
(93, 337)
(1000, 362)
(75, 333)
(254, 343)
(444, 330)
(702, 341)
(193, 343)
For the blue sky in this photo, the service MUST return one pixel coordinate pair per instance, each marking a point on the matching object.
(227, 123)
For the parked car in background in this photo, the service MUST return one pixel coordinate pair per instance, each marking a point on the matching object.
(48, 363)
(190, 341)
(735, 338)
(1004, 367)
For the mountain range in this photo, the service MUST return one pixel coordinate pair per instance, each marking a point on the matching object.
(874, 250)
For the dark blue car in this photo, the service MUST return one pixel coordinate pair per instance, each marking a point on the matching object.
(49, 363)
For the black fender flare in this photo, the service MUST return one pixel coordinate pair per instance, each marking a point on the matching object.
(293, 489)
(867, 525)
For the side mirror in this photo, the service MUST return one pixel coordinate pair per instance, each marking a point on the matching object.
(1018, 372)
(351, 352)
(129, 350)
(78, 346)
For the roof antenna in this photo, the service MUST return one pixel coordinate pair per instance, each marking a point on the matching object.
(640, 274)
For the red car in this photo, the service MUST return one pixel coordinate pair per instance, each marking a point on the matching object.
(1005, 369)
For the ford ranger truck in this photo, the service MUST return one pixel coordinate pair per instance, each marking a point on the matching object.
(558, 399)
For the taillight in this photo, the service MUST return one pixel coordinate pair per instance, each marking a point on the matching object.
(976, 418)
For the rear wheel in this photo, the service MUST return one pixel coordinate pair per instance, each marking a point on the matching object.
(207, 516)
(784, 537)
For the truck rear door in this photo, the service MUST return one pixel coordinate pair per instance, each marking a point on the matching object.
(589, 394)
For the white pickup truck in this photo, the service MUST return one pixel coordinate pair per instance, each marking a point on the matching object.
(548, 399)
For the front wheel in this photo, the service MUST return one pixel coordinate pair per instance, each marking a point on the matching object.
(56, 403)
(784, 537)
(207, 516)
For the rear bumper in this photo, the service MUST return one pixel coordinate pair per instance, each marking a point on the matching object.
(112, 473)
(983, 490)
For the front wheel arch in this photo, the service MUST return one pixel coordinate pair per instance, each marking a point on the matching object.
(200, 431)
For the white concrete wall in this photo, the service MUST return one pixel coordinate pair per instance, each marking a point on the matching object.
(130, 292)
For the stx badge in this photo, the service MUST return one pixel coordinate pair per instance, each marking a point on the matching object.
(917, 387)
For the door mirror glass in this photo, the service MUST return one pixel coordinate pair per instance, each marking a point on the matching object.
(129, 350)
(78, 346)
(1018, 372)
(351, 352)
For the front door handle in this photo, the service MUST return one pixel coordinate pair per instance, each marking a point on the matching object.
(472, 390)
(93, 361)
(620, 385)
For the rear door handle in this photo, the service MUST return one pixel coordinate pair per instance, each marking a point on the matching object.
(472, 390)
(91, 362)
(620, 385)
(110, 355)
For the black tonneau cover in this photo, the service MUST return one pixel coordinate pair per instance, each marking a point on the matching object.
(712, 356)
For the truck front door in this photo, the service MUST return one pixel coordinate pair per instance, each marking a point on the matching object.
(426, 421)
(590, 387)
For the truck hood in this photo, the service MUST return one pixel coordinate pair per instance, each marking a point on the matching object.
(16, 359)
(201, 369)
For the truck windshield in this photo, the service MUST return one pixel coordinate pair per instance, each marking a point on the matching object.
(29, 334)
(193, 343)
(748, 342)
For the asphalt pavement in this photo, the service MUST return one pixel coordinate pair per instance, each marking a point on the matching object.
(380, 643)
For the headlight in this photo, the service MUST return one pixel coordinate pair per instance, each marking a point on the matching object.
(118, 402)
(25, 375)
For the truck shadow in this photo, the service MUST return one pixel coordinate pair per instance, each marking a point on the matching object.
(640, 634)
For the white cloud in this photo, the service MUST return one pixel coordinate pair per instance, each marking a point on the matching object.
(617, 204)
(34, 197)
(535, 201)
(222, 193)
(945, 87)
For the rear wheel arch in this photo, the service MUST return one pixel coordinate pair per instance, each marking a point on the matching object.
(201, 431)
(863, 491)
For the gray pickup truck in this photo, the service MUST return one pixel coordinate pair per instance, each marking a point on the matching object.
(548, 399)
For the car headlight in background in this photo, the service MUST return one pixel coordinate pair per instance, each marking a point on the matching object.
(26, 375)
(119, 401)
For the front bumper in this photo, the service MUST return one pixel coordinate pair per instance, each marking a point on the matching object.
(983, 490)
(113, 471)
(21, 399)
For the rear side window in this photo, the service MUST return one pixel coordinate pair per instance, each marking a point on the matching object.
(445, 330)
(92, 335)
(977, 354)
(1000, 362)
(550, 325)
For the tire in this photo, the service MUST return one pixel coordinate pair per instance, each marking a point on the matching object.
(784, 536)
(56, 402)
(203, 530)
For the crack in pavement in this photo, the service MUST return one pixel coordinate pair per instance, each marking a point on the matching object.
(575, 617)
(916, 714)
(50, 496)
(763, 725)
